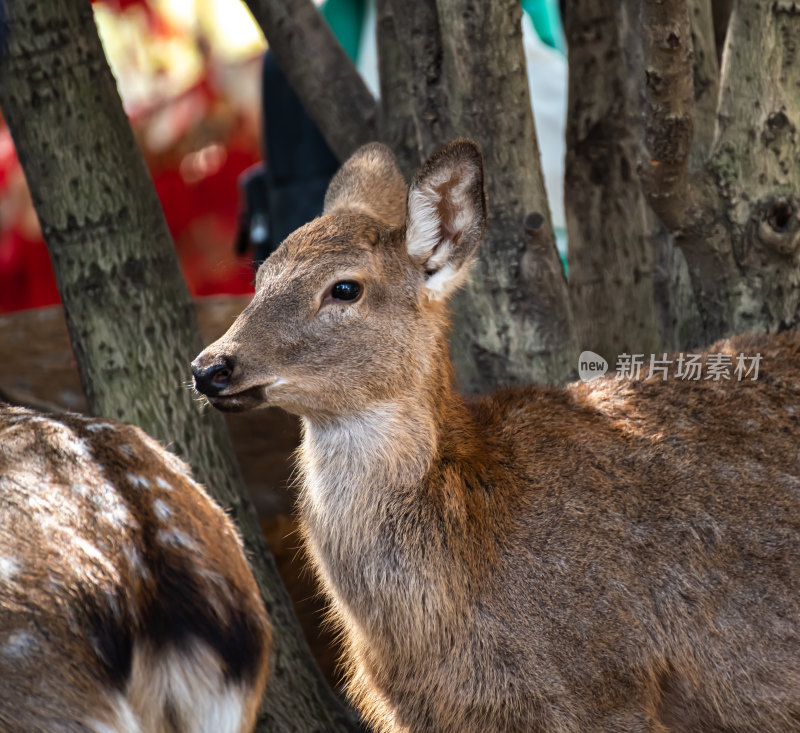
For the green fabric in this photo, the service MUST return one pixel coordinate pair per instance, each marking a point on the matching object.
(346, 18)
(547, 21)
(561, 246)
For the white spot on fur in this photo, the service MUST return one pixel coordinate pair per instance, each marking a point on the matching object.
(118, 517)
(64, 438)
(176, 538)
(80, 489)
(9, 567)
(19, 644)
(39, 419)
(139, 482)
(162, 511)
(95, 427)
(163, 484)
(193, 682)
(127, 451)
(135, 563)
(77, 447)
(121, 720)
(91, 551)
(111, 507)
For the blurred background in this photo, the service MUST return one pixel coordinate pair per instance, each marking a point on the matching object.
(189, 74)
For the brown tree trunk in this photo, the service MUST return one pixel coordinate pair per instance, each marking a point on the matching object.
(609, 225)
(513, 321)
(630, 285)
(735, 212)
(415, 116)
(128, 310)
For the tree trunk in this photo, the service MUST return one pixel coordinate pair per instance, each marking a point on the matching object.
(705, 77)
(629, 283)
(736, 213)
(755, 164)
(512, 322)
(415, 115)
(609, 224)
(128, 309)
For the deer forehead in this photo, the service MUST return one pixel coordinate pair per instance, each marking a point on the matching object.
(324, 247)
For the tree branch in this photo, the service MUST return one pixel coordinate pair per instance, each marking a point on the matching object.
(669, 109)
(396, 125)
(320, 72)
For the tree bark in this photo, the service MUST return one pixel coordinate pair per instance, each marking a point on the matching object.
(755, 163)
(513, 321)
(128, 310)
(415, 115)
(320, 72)
(608, 221)
(705, 80)
(721, 13)
(669, 95)
(735, 216)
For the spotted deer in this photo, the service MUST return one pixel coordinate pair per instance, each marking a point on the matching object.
(622, 555)
(126, 603)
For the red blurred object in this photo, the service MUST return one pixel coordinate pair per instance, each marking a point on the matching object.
(202, 214)
(26, 275)
(120, 6)
(196, 181)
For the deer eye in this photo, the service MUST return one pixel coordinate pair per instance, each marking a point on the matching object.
(347, 290)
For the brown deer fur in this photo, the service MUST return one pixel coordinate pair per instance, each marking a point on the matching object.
(126, 604)
(614, 556)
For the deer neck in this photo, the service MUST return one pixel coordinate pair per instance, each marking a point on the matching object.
(354, 464)
(388, 444)
(368, 483)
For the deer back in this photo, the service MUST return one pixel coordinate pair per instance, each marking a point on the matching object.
(126, 603)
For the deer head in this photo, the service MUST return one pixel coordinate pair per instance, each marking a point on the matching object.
(350, 309)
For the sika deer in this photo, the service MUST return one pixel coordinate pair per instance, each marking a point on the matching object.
(126, 604)
(614, 556)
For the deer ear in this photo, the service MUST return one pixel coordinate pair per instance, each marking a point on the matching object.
(446, 216)
(369, 183)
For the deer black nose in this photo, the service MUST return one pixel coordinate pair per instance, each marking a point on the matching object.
(213, 379)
